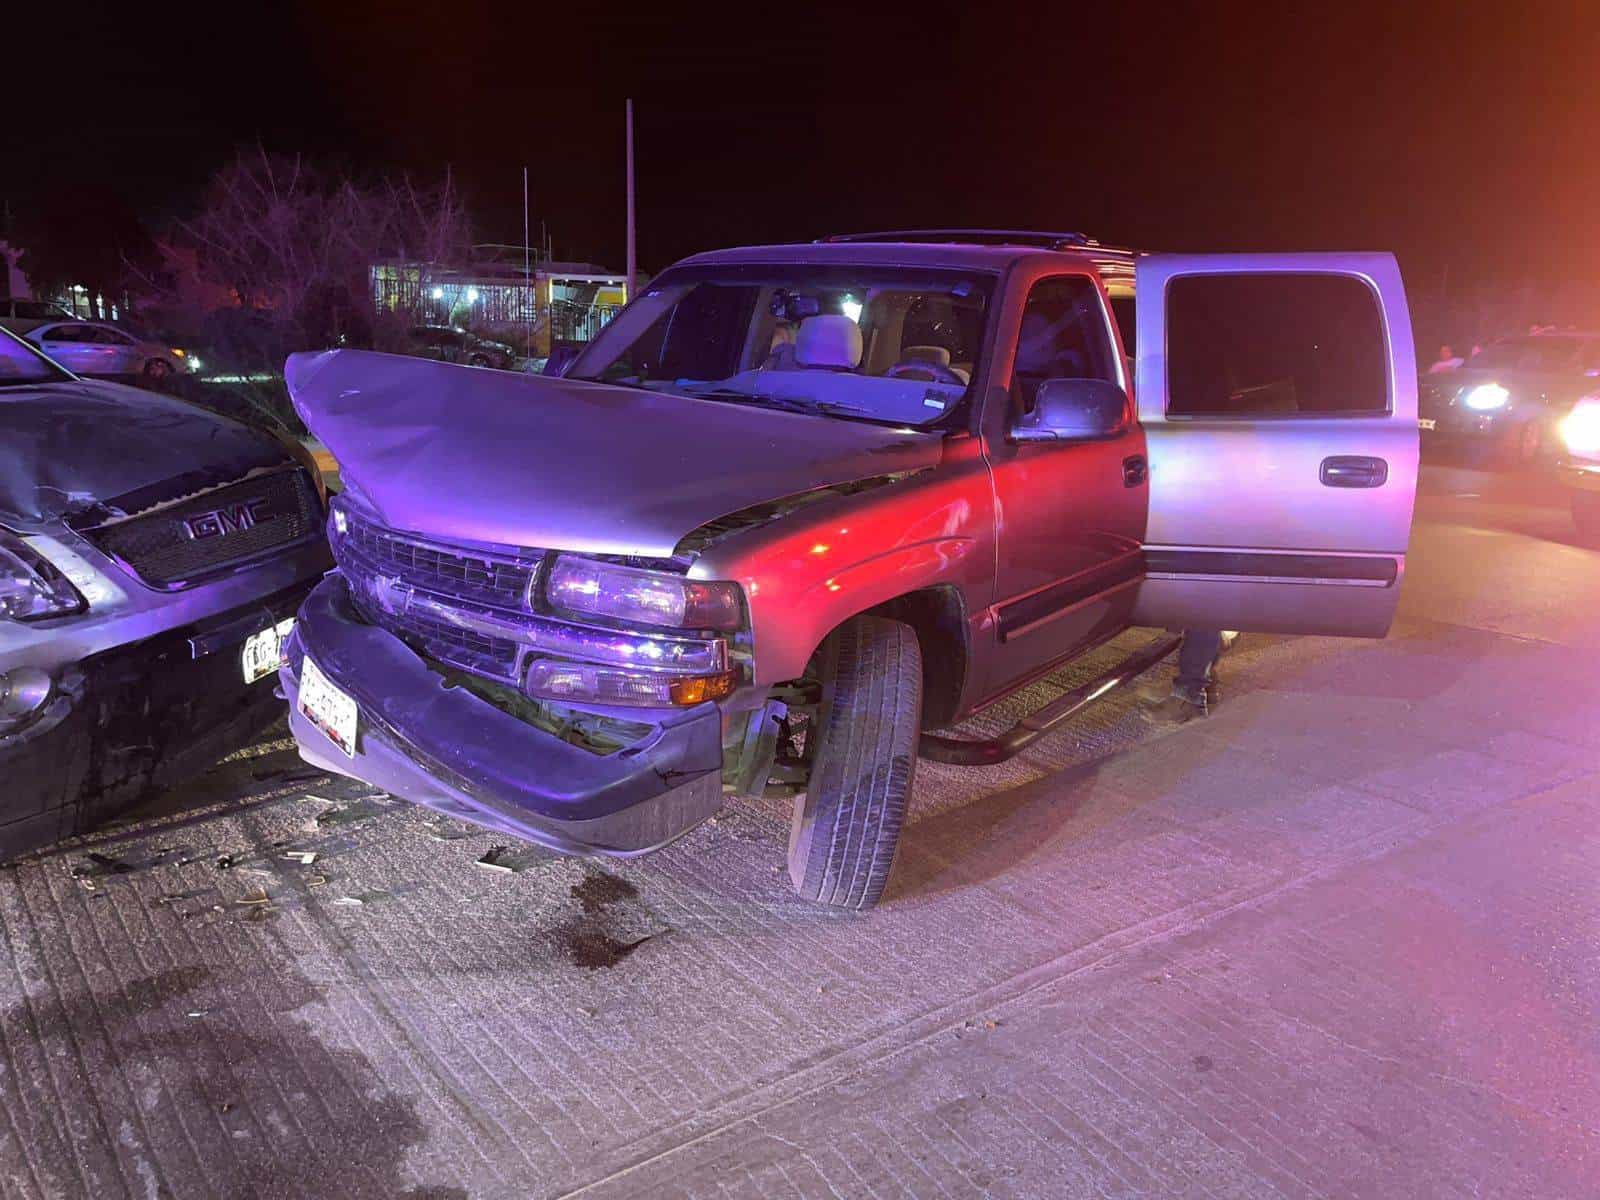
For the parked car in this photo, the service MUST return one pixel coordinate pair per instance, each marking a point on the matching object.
(1509, 399)
(152, 556)
(20, 315)
(447, 343)
(102, 349)
(799, 508)
(1580, 469)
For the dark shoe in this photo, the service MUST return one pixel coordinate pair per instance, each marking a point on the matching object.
(1176, 710)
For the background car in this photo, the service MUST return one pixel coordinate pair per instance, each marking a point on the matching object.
(449, 343)
(102, 349)
(1580, 469)
(1509, 399)
(152, 556)
(20, 315)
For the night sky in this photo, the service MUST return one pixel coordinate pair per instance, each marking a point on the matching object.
(1465, 140)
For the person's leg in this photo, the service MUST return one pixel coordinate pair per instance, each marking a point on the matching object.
(1196, 657)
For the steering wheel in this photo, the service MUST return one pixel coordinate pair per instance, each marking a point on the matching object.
(936, 372)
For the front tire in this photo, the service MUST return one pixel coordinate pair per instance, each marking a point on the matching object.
(846, 828)
(1527, 443)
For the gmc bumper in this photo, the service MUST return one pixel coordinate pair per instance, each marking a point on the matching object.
(127, 721)
(449, 750)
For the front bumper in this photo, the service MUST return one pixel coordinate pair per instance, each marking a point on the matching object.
(129, 720)
(1457, 423)
(449, 750)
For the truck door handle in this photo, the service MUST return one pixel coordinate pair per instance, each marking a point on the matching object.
(1354, 471)
(1133, 470)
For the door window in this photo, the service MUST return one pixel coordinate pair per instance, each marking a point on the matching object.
(1063, 336)
(1278, 345)
(68, 333)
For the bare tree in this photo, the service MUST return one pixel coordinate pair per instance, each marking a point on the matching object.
(280, 258)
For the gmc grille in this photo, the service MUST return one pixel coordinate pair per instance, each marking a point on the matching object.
(183, 543)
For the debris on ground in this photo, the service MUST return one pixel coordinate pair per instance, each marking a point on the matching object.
(287, 774)
(494, 860)
(100, 864)
(359, 810)
(259, 896)
(504, 858)
(304, 857)
(347, 900)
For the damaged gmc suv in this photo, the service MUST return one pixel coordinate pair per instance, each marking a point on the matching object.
(152, 556)
(797, 508)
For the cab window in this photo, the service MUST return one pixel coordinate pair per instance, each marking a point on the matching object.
(1063, 336)
(1276, 345)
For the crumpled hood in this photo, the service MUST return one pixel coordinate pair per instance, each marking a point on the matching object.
(467, 454)
(66, 446)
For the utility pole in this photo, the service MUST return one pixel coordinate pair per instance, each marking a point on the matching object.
(531, 297)
(632, 259)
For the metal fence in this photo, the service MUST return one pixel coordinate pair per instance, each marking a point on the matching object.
(486, 305)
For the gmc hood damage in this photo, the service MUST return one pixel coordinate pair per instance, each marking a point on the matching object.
(465, 454)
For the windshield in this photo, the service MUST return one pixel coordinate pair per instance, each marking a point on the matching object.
(883, 344)
(21, 363)
(1541, 353)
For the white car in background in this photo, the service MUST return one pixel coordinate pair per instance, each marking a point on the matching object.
(103, 349)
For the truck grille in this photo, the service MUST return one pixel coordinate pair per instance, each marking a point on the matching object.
(455, 571)
(370, 554)
(183, 543)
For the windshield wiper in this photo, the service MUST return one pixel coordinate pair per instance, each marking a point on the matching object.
(798, 404)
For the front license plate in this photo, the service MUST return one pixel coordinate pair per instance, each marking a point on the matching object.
(263, 652)
(328, 708)
(1427, 423)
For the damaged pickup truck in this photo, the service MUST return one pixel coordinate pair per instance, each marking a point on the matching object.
(799, 508)
(152, 557)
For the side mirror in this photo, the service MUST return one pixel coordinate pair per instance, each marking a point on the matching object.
(1073, 410)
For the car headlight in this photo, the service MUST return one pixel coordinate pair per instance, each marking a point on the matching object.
(31, 588)
(1580, 429)
(662, 598)
(1486, 397)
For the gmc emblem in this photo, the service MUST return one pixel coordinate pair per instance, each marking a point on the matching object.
(220, 521)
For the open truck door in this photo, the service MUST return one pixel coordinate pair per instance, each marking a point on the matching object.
(1278, 396)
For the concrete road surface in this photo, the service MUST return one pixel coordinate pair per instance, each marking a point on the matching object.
(1338, 940)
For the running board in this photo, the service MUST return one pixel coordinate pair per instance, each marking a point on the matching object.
(964, 752)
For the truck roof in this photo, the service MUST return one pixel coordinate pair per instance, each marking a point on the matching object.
(983, 250)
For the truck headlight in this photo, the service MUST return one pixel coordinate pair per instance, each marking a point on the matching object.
(1486, 397)
(1580, 429)
(31, 588)
(600, 589)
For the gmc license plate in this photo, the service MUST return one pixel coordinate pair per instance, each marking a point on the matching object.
(263, 652)
(327, 707)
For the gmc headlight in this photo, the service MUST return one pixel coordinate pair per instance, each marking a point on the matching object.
(31, 589)
(600, 589)
(1580, 429)
(1486, 397)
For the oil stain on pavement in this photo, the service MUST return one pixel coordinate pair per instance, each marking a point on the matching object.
(589, 939)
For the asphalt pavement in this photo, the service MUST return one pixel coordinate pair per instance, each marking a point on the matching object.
(1337, 940)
